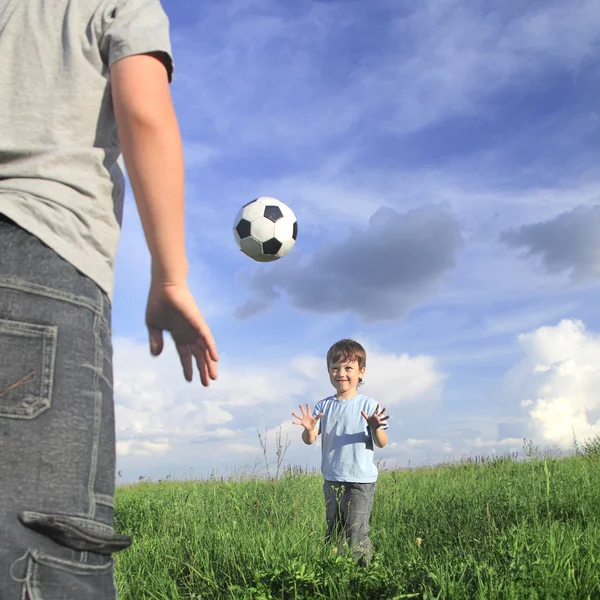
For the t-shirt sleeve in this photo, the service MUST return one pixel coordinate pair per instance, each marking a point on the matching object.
(319, 406)
(136, 27)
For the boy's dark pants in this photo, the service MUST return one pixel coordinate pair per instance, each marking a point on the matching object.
(57, 434)
(348, 511)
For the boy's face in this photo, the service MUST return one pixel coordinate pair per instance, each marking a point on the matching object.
(344, 377)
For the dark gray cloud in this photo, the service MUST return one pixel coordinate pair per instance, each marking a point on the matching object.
(377, 273)
(568, 242)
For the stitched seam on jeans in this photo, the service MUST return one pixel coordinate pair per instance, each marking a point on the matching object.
(42, 290)
(84, 522)
(71, 566)
(48, 362)
(105, 500)
(32, 579)
(98, 373)
(99, 360)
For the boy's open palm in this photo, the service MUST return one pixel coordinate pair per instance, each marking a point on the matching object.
(172, 308)
(306, 419)
(377, 419)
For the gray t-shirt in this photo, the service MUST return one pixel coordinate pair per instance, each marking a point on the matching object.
(60, 172)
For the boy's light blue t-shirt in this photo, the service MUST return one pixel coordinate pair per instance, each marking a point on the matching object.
(346, 439)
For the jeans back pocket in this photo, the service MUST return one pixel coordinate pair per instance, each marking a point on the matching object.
(27, 359)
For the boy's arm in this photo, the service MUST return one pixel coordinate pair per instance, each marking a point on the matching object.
(380, 437)
(152, 148)
(309, 437)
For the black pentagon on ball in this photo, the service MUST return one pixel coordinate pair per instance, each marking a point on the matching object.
(272, 246)
(295, 231)
(273, 213)
(243, 228)
(249, 203)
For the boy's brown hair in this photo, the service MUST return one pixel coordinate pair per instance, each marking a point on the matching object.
(345, 350)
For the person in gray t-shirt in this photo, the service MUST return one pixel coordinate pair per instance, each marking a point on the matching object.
(82, 81)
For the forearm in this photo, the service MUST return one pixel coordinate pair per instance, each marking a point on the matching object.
(152, 148)
(154, 160)
(309, 437)
(380, 437)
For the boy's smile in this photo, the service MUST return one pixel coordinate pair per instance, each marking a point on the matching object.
(345, 378)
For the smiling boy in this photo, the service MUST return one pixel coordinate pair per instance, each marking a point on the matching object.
(350, 424)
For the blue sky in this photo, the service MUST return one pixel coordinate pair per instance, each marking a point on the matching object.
(441, 158)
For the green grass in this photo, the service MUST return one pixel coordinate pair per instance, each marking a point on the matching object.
(495, 530)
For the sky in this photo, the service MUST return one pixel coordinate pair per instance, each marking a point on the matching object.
(441, 158)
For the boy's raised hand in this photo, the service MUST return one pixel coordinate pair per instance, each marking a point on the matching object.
(173, 308)
(376, 420)
(306, 420)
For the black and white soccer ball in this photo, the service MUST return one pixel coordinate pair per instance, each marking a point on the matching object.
(265, 229)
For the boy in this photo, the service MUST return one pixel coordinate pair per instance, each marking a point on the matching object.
(82, 80)
(349, 424)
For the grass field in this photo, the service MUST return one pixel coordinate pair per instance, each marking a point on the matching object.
(502, 528)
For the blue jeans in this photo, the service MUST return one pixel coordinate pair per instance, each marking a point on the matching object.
(348, 512)
(57, 432)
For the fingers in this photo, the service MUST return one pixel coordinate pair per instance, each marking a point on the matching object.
(206, 365)
(156, 341)
(203, 334)
(364, 414)
(175, 310)
(208, 341)
(202, 365)
(318, 416)
(185, 357)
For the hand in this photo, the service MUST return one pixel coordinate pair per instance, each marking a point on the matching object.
(306, 420)
(173, 308)
(376, 420)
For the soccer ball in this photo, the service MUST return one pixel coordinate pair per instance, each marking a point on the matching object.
(265, 229)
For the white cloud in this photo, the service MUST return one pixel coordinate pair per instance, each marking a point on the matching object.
(244, 449)
(142, 448)
(395, 380)
(510, 444)
(557, 382)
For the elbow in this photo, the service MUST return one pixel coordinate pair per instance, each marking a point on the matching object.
(308, 440)
(381, 441)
